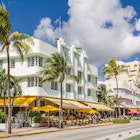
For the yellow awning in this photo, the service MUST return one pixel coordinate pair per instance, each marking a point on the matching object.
(99, 107)
(76, 104)
(68, 103)
(19, 101)
(47, 108)
(58, 102)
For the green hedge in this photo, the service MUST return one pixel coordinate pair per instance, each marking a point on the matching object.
(121, 121)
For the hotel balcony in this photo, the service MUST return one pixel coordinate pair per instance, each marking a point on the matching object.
(92, 86)
(34, 70)
(69, 81)
(81, 83)
(80, 68)
(69, 63)
(92, 70)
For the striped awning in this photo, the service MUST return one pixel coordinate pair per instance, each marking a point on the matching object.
(99, 107)
(68, 103)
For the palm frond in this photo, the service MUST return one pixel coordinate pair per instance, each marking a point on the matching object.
(2, 47)
(23, 46)
(17, 46)
(74, 77)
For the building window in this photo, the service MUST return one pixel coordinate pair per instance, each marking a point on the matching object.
(89, 78)
(135, 65)
(68, 88)
(80, 75)
(54, 85)
(42, 103)
(40, 60)
(12, 63)
(89, 92)
(68, 71)
(29, 61)
(40, 79)
(34, 82)
(35, 61)
(79, 90)
(1, 63)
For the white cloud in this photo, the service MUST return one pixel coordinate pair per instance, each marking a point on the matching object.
(138, 25)
(44, 30)
(102, 27)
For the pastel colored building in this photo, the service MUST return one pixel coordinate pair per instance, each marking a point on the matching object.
(33, 63)
(127, 84)
(128, 91)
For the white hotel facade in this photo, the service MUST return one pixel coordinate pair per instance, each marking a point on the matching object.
(128, 91)
(33, 63)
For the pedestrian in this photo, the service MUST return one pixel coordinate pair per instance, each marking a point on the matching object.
(94, 118)
(99, 117)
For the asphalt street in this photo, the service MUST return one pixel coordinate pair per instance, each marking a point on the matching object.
(94, 133)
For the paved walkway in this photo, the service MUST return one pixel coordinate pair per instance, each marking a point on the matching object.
(30, 131)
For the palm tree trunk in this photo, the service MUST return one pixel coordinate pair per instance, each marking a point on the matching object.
(12, 103)
(116, 114)
(5, 108)
(61, 106)
(118, 105)
(9, 96)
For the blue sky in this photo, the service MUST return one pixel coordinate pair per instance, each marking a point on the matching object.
(96, 26)
(26, 14)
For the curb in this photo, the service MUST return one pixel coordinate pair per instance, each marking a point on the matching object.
(50, 131)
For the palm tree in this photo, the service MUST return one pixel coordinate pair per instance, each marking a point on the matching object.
(103, 94)
(3, 87)
(113, 101)
(15, 86)
(8, 40)
(113, 70)
(55, 69)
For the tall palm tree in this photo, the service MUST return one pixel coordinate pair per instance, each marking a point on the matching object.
(103, 94)
(8, 40)
(55, 69)
(112, 69)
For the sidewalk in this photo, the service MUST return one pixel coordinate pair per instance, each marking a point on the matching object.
(31, 131)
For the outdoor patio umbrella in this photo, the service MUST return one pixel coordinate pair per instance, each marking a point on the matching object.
(138, 113)
(132, 112)
(93, 111)
(47, 108)
(89, 110)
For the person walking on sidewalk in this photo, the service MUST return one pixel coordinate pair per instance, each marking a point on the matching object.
(94, 118)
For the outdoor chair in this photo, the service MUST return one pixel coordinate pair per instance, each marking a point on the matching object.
(69, 122)
(77, 122)
(73, 122)
(86, 121)
(80, 122)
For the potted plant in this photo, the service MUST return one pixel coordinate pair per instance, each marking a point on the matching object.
(35, 118)
(2, 120)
